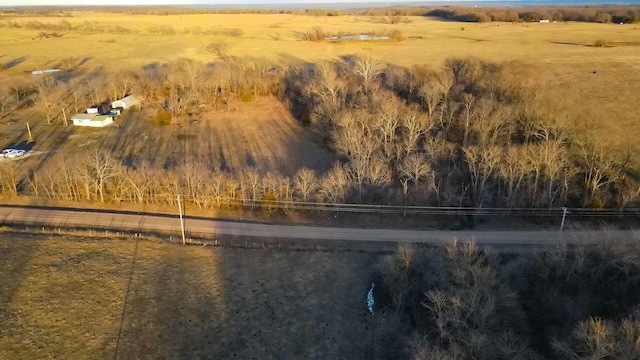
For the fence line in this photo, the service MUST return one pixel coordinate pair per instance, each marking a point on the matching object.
(289, 205)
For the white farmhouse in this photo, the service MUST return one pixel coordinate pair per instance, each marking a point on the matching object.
(126, 102)
(92, 120)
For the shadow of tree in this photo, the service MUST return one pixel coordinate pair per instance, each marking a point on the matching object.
(14, 266)
(15, 62)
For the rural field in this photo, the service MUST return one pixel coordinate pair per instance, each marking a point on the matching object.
(269, 118)
(88, 298)
(250, 109)
(598, 85)
(64, 296)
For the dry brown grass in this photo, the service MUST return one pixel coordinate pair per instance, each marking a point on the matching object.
(63, 298)
(594, 86)
(261, 134)
(276, 36)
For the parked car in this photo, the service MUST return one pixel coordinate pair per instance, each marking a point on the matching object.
(12, 153)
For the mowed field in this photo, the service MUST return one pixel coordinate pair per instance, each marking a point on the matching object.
(596, 87)
(73, 298)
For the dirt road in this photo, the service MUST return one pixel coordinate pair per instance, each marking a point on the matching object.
(135, 222)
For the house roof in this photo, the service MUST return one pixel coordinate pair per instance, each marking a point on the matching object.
(83, 116)
(102, 117)
(127, 99)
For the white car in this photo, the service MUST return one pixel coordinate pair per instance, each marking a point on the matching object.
(12, 154)
(6, 151)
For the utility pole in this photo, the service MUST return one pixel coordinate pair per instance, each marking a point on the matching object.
(64, 116)
(29, 130)
(564, 216)
(184, 239)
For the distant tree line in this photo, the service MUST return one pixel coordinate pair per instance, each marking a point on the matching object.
(581, 13)
(601, 14)
(472, 133)
(95, 26)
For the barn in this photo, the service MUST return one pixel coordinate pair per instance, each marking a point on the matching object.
(92, 120)
(126, 102)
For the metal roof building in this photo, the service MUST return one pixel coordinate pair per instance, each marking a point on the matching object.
(91, 120)
(126, 102)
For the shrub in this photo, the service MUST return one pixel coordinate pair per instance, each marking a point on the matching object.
(316, 34)
(269, 202)
(163, 118)
(245, 95)
(601, 43)
(218, 47)
(596, 203)
(235, 32)
(396, 35)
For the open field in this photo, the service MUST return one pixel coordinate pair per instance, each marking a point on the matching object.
(246, 91)
(275, 37)
(604, 81)
(64, 298)
(261, 135)
(93, 298)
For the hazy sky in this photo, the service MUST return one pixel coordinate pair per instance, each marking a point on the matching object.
(179, 2)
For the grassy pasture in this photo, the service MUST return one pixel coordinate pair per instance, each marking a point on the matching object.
(596, 87)
(274, 36)
(64, 298)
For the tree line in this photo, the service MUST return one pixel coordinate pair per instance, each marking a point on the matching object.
(589, 13)
(97, 27)
(472, 133)
(463, 302)
(627, 14)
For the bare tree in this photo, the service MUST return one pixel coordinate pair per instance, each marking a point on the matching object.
(219, 48)
(305, 183)
(416, 124)
(97, 169)
(482, 163)
(354, 138)
(513, 169)
(416, 169)
(472, 312)
(6, 98)
(331, 86)
(387, 121)
(79, 93)
(368, 69)
(379, 175)
(555, 160)
(627, 191)
(357, 170)
(596, 338)
(396, 273)
(95, 84)
(597, 168)
(10, 176)
(193, 80)
(469, 101)
(333, 186)
(49, 94)
(432, 94)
